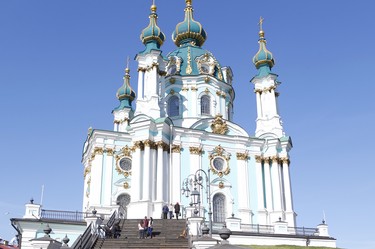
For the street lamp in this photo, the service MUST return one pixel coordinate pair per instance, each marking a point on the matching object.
(195, 196)
(200, 177)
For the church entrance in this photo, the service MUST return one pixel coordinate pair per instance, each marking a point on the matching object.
(123, 201)
(219, 209)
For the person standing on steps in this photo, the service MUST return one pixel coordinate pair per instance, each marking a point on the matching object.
(177, 210)
(145, 227)
(165, 211)
(150, 223)
(141, 230)
(170, 211)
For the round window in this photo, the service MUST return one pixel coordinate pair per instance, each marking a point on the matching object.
(219, 163)
(125, 164)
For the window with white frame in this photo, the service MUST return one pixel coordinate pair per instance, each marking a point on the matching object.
(219, 209)
(205, 105)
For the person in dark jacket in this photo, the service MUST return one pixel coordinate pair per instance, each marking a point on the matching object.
(165, 211)
(177, 210)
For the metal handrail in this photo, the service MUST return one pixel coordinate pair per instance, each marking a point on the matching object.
(68, 215)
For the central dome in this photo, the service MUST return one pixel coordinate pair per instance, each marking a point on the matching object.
(189, 30)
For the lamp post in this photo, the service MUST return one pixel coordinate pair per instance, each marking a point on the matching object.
(200, 177)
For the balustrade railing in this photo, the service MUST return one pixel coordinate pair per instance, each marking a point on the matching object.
(69, 215)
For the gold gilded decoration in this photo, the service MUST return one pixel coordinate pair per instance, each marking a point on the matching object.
(126, 185)
(196, 150)
(172, 91)
(188, 67)
(98, 151)
(176, 148)
(172, 80)
(138, 145)
(219, 161)
(258, 159)
(219, 126)
(207, 91)
(149, 143)
(126, 151)
(242, 156)
(274, 159)
(285, 160)
(207, 79)
(109, 151)
(87, 171)
(221, 185)
(194, 88)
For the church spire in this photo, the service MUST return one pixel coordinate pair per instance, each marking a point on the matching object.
(125, 93)
(263, 59)
(189, 30)
(152, 36)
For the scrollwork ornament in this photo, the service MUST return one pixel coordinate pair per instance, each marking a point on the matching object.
(219, 126)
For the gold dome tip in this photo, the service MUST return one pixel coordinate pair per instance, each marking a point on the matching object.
(153, 8)
(127, 70)
(261, 34)
(188, 2)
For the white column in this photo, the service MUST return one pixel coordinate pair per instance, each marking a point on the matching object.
(195, 159)
(260, 191)
(259, 104)
(276, 186)
(96, 177)
(175, 174)
(267, 180)
(108, 177)
(140, 83)
(146, 171)
(193, 101)
(160, 173)
(136, 173)
(273, 102)
(287, 187)
(243, 180)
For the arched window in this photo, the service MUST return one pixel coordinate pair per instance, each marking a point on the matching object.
(219, 209)
(123, 201)
(173, 106)
(205, 104)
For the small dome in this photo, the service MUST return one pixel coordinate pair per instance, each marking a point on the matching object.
(189, 30)
(125, 93)
(263, 56)
(152, 33)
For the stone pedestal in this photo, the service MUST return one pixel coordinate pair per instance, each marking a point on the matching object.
(233, 224)
(323, 229)
(195, 226)
(280, 227)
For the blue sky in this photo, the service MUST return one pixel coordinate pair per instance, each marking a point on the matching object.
(61, 63)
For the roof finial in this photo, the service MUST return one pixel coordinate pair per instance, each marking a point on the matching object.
(188, 2)
(127, 70)
(153, 6)
(261, 32)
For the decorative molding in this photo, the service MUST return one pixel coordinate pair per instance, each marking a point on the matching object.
(185, 88)
(258, 159)
(219, 153)
(188, 67)
(242, 156)
(221, 185)
(194, 88)
(87, 171)
(274, 159)
(126, 185)
(285, 160)
(98, 151)
(138, 145)
(219, 126)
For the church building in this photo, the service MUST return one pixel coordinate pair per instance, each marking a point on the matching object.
(183, 123)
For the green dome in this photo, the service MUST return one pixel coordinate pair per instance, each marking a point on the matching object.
(125, 93)
(152, 33)
(263, 56)
(189, 30)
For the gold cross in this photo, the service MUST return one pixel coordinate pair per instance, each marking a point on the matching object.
(260, 23)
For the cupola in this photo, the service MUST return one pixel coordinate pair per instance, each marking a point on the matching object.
(152, 34)
(189, 30)
(263, 59)
(125, 93)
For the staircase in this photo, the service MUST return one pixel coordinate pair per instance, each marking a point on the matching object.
(166, 234)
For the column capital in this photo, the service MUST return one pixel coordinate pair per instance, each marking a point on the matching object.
(285, 160)
(109, 151)
(176, 148)
(242, 156)
(196, 150)
(275, 159)
(258, 159)
(138, 145)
